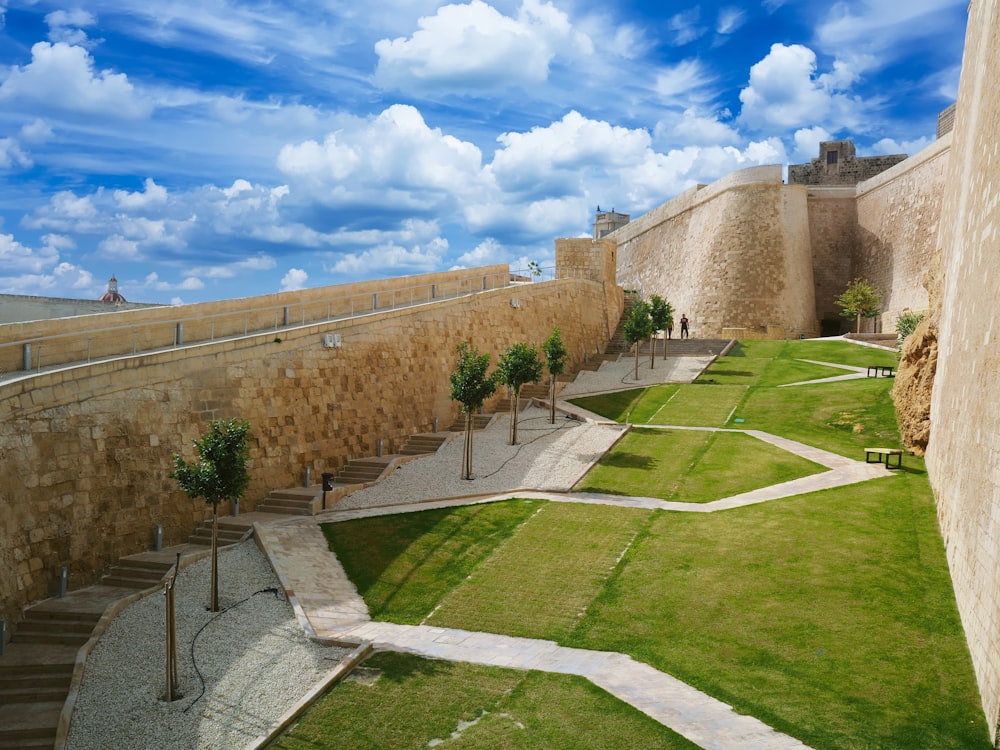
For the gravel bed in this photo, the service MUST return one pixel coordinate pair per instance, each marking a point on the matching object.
(548, 458)
(251, 664)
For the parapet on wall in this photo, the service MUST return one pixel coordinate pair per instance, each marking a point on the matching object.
(732, 255)
(86, 450)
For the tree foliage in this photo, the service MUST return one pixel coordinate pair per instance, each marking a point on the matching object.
(906, 324)
(555, 357)
(638, 326)
(518, 365)
(860, 300)
(661, 313)
(219, 474)
(470, 386)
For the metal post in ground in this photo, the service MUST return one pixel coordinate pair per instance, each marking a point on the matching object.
(63, 581)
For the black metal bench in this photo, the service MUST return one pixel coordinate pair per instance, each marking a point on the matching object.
(883, 455)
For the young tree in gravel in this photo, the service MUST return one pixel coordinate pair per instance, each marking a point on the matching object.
(555, 355)
(860, 300)
(219, 474)
(518, 365)
(470, 386)
(661, 313)
(638, 327)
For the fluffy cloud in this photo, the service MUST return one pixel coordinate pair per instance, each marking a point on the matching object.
(293, 280)
(785, 92)
(392, 259)
(474, 46)
(62, 77)
(152, 194)
(392, 158)
(67, 25)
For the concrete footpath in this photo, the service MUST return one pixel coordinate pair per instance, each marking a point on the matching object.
(329, 607)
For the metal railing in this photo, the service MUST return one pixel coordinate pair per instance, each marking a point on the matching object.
(35, 354)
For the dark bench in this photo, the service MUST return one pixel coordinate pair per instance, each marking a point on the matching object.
(875, 371)
(882, 455)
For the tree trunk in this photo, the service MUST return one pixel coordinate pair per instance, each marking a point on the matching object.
(652, 349)
(859, 324)
(214, 605)
(515, 402)
(637, 361)
(467, 448)
(552, 402)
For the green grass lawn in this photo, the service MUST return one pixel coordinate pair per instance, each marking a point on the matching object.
(415, 702)
(828, 616)
(691, 466)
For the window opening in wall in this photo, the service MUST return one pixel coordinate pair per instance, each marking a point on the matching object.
(831, 157)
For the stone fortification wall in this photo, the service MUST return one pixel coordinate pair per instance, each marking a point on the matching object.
(731, 255)
(963, 456)
(898, 216)
(833, 222)
(82, 338)
(86, 451)
(838, 165)
(16, 307)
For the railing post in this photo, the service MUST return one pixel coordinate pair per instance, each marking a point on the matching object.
(179, 334)
(26, 356)
(285, 316)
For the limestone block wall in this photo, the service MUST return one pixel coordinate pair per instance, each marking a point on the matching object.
(898, 218)
(734, 254)
(833, 222)
(963, 455)
(86, 451)
(83, 337)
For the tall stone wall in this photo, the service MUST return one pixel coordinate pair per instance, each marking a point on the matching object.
(732, 255)
(833, 236)
(86, 451)
(898, 219)
(963, 456)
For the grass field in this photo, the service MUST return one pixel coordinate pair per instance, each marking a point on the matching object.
(829, 616)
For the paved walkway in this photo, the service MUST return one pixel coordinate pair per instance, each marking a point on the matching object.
(329, 607)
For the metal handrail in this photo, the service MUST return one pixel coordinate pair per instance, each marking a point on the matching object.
(135, 338)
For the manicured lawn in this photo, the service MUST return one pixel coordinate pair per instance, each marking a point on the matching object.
(691, 466)
(829, 616)
(416, 702)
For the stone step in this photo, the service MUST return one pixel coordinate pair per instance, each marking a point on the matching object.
(479, 422)
(29, 725)
(228, 533)
(418, 445)
(34, 683)
(290, 506)
(136, 573)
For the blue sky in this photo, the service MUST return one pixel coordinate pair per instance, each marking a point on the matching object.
(209, 149)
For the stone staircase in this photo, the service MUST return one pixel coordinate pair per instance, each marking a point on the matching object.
(228, 533)
(479, 422)
(298, 501)
(423, 443)
(360, 471)
(36, 672)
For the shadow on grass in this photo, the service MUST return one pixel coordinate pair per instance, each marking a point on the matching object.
(629, 461)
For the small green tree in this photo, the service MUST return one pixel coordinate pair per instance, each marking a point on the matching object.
(906, 324)
(534, 269)
(518, 365)
(470, 386)
(661, 313)
(555, 356)
(637, 327)
(860, 300)
(219, 474)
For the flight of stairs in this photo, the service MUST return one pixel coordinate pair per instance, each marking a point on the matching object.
(423, 443)
(228, 533)
(136, 572)
(479, 422)
(360, 471)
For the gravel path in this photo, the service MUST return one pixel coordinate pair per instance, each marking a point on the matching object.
(253, 659)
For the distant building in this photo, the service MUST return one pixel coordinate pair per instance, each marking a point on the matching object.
(112, 295)
(608, 221)
(838, 165)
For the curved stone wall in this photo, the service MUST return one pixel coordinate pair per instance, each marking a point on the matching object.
(735, 254)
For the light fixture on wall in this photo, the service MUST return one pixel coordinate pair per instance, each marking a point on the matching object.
(515, 302)
(332, 340)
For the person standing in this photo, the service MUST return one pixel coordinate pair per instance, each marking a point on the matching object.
(684, 326)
